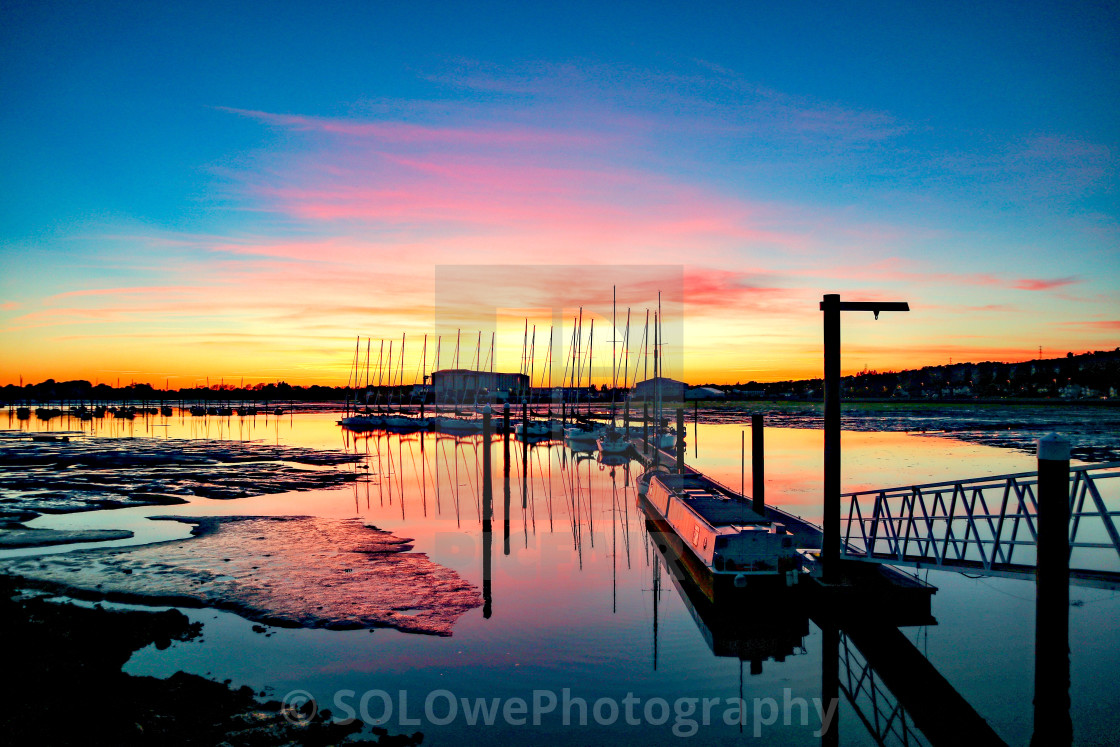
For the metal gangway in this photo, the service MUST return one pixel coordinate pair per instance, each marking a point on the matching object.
(986, 524)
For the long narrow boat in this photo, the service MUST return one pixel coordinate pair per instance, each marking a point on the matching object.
(722, 542)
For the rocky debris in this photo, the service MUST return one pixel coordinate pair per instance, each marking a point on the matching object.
(66, 686)
(44, 537)
(87, 474)
(1093, 431)
(286, 571)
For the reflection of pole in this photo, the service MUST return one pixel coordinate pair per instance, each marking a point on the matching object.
(758, 466)
(830, 546)
(525, 453)
(830, 681)
(487, 514)
(505, 490)
(645, 427)
(656, 596)
(505, 434)
(1052, 724)
(680, 439)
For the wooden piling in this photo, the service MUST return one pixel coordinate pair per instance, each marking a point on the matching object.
(758, 475)
(1052, 724)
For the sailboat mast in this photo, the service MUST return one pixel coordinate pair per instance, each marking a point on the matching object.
(590, 348)
(626, 343)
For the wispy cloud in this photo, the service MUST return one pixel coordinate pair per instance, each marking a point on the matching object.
(1041, 284)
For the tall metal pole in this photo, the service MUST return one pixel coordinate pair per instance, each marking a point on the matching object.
(831, 306)
(830, 546)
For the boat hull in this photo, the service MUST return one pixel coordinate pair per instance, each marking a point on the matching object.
(715, 585)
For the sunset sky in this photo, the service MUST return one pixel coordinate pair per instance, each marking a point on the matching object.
(208, 189)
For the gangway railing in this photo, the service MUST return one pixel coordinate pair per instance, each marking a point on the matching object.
(885, 718)
(987, 524)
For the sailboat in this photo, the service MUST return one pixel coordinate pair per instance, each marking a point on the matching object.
(613, 442)
(582, 437)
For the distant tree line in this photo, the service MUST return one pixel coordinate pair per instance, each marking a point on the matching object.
(79, 390)
(1094, 375)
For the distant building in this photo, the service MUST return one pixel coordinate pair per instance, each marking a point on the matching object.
(462, 385)
(564, 394)
(671, 390)
(704, 392)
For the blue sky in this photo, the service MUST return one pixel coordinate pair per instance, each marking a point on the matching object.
(155, 158)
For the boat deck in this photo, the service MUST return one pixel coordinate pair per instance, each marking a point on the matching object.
(716, 506)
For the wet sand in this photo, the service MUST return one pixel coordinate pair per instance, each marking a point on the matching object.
(285, 571)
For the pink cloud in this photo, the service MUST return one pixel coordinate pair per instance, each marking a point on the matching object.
(1104, 324)
(1035, 284)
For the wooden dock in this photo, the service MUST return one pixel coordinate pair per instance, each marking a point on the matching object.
(858, 591)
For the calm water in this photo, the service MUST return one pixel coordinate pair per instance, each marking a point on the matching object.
(580, 600)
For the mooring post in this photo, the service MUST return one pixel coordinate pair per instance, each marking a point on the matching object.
(645, 427)
(487, 514)
(626, 417)
(1052, 724)
(830, 545)
(680, 439)
(758, 474)
(505, 436)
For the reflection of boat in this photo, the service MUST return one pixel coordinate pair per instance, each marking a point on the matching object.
(722, 542)
(613, 460)
(613, 443)
(778, 633)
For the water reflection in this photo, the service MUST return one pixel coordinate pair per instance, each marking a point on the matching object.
(581, 597)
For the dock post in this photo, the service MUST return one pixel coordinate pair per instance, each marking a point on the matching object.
(1052, 724)
(758, 475)
(680, 439)
(626, 417)
(830, 542)
(505, 432)
(645, 427)
(487, 514)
